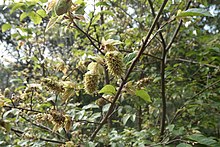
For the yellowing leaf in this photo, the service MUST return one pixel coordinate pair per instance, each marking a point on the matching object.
(52, 22)
(51, 5)
(68, 123)
(2, 103)
(56, 127)
(16, 6)
(111, 42)
(67, 94)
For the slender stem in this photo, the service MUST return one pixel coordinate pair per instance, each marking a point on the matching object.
(158, 25)
(163, 92)
(24, 109)
(150, 55)
(32, 94)
(40, 138)
(194, 62)
(42, 127)
(139, 117)
(146, 42)
(200, 92)
(163, 83)
(12, 101)
(87, 35)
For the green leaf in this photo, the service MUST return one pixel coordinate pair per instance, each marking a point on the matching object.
(129, 57)
(201, 139)
(107, 12)
(78, 2)
(23, 16)
(35, 17)
(194, 12)
(183, 145)
(143, 94)
(6, 27)
(52, 22)
(16, 6)
(43, 1)
(170, 127)
(108, 89)
(125, 118)
(103, 4)
(41, 12)
(204, 2)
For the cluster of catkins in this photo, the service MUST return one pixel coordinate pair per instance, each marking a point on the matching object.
(114, 63)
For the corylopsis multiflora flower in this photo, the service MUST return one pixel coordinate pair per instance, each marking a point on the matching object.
(114, 61)
(90, 82)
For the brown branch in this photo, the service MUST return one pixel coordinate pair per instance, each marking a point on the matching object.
(150, 55)
(86, 121)
(158, 25)
(40, 138)
(42, 127)
(163, 83)
(146, 42)
(177, 29)
(91, 39)
(200, 92)
(23, 109)
(194, 62)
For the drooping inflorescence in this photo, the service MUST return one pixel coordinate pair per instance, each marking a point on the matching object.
(114, 61)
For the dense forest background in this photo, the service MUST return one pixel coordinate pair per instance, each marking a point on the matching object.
(110, 73)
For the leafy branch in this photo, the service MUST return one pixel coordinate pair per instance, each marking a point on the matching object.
(144, 45)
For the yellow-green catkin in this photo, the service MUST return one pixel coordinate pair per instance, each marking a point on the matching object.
(114, 61)
(90, 82)
(53, 85)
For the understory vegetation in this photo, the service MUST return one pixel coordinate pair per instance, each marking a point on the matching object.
(110, 73)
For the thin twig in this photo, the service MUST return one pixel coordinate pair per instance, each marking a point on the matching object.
(40, 138)
(200, 92)
(86, 121)
(42, 127)
(91, 39)
(194, 62)
(24, 109)
(32, 94)
(150, 55)
(158, 25)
